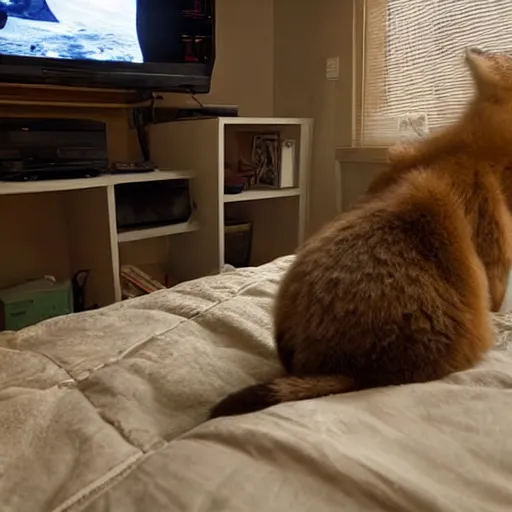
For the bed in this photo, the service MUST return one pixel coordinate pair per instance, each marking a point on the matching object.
(106, 411)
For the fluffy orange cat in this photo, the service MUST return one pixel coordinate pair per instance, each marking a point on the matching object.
(399, 289)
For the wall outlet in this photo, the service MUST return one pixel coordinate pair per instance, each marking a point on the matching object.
(413, 125)
(332, 68)
(419, 122)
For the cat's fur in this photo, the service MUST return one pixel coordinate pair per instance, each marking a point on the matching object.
(399, 290)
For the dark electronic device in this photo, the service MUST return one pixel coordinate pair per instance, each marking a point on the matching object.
(155, 45)
(38, 149)
(152, 203)
(131, 167)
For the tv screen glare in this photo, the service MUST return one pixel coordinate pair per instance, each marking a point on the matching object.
(162, 45)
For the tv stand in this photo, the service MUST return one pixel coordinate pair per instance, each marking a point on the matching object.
(58, 227)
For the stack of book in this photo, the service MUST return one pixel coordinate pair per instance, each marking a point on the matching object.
(135, 282)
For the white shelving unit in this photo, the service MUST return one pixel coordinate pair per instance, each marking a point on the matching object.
(58, 227)
(207, 146)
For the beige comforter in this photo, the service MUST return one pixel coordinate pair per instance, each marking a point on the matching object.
(105, 411)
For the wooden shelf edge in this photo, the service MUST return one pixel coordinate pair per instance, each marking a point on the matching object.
(74, 104)
(41, 95)
(144, 234)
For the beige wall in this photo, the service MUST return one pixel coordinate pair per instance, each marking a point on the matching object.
(306, 33)
(244, 69)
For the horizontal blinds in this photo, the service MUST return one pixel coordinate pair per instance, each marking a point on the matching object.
(413, 65)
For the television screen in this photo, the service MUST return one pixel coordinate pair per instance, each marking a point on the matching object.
(142, 36)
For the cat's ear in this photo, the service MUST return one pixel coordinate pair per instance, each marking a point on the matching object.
(482, 70)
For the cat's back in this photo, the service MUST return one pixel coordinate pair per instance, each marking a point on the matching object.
(418, 226)
(404, 256)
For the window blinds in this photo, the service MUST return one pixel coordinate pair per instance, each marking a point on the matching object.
(413, 66)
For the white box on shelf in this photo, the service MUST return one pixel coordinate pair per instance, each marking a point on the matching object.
(287, 174)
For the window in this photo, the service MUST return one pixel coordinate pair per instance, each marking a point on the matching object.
(413, 62)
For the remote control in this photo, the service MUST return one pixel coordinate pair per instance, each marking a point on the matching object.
(129, 167)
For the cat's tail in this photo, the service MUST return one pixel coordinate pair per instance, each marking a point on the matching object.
(283, 389)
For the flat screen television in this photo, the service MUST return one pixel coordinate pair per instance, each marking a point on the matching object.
(152, 45)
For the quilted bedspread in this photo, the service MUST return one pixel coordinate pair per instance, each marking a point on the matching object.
(106, 411)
